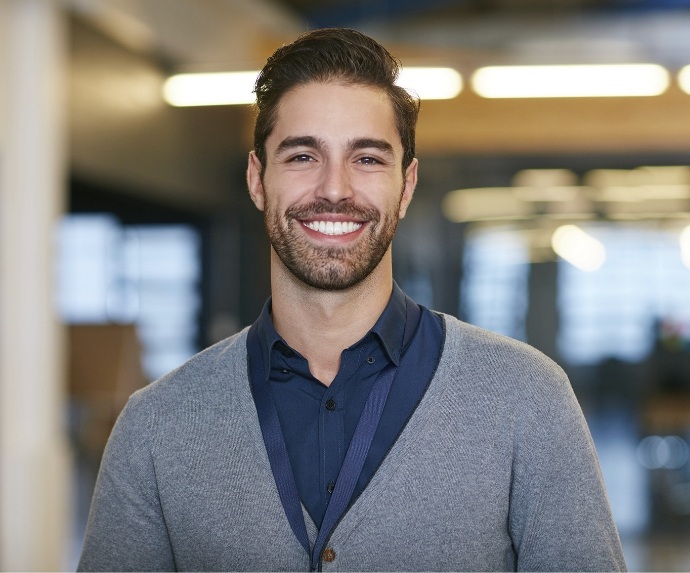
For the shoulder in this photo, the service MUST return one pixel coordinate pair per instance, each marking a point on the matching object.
(470, 342)
(218, 371)
(496, 363)
(516, 394)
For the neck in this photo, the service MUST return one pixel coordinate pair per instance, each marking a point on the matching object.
(320, 324)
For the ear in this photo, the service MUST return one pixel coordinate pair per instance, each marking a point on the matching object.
(410, 184)
(254, 182)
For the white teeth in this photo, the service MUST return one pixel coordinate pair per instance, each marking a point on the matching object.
(331, 228)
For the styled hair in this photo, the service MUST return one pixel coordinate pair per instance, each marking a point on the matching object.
(332, 54)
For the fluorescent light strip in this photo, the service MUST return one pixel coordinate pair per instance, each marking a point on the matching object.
(431, 83)
(224, 88)
(570, 81)
(236, 88)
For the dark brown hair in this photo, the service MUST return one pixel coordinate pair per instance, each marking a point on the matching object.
(332, 54)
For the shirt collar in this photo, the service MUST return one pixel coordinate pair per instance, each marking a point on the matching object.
(268, 336)
(389, 329)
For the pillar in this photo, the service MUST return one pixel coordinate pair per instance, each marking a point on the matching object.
(35, 522)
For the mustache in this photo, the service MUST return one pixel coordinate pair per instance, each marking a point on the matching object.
(346, 208)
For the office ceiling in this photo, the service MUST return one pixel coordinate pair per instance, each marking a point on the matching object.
(519, 31)
(238, 33)
(358, 12)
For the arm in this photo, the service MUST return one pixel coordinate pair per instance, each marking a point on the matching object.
(126, 529)
(560, 518)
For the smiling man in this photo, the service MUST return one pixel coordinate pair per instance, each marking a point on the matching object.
(348, 429)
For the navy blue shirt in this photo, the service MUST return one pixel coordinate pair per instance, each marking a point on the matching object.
(318, 421)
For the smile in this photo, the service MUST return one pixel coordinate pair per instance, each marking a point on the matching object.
(333, 228)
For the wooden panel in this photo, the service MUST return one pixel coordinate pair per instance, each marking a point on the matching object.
(104, 370)
(471, 124)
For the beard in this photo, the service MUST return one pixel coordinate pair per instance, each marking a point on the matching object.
(330, 267)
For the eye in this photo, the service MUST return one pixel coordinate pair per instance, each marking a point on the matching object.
(302, 158)
(368, 160)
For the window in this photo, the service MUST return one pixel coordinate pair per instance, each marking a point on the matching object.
(494, 289)
(615, 311)
(145, 274)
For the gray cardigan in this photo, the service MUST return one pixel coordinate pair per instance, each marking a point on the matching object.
(495, 470)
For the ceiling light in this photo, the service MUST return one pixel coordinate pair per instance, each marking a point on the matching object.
(545, 178)
(570, 81)
(684, 79)
(485, 204)
(223, 88)
(671, 175)
(579, 248)
(431, 83)
(236, 88)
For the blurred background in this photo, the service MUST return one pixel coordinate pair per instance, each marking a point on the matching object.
(128, 242)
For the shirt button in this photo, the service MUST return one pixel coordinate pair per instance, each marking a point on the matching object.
(371, 360)
(328, 555)
(330, 487)
(330, 404)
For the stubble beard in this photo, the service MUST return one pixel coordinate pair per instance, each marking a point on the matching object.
(329, 267)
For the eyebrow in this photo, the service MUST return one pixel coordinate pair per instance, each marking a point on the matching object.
(315, 143)
(367, 142)
(299, 141)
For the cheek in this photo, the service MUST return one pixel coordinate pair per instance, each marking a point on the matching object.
(388, 198)
(380, 186)
(288, 188)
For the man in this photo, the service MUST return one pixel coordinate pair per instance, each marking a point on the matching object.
(348, 428)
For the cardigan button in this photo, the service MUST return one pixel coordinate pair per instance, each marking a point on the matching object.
(328, 555)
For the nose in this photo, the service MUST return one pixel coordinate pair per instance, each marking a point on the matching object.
(335, 185)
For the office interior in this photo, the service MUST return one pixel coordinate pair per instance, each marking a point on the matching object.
(128, 241)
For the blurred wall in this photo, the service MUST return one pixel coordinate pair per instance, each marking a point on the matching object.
(124, 136)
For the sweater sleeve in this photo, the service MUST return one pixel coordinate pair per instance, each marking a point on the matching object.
(559, 512)
(126, 529)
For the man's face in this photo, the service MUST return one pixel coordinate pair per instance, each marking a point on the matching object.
(333, 187)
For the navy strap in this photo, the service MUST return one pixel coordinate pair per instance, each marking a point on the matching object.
(354, 458)
(273, 438)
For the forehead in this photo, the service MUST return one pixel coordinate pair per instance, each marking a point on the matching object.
(335, 111)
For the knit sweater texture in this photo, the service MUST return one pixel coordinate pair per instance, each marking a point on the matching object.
(494, 471)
